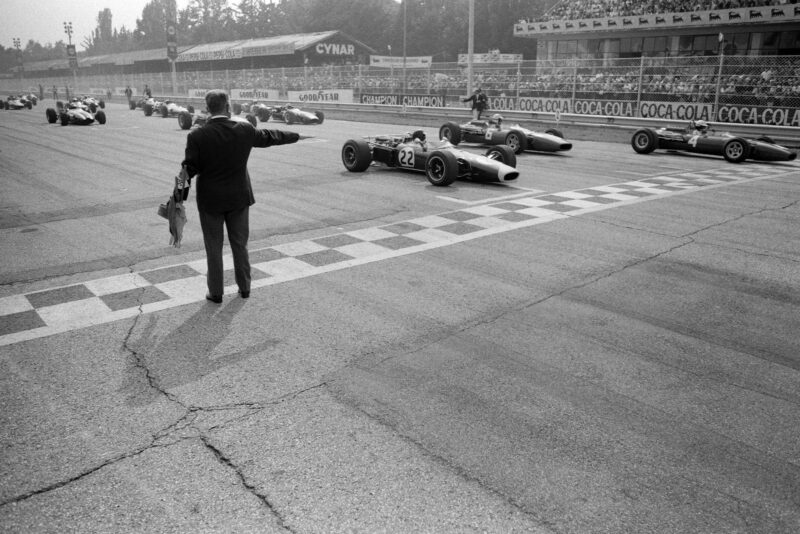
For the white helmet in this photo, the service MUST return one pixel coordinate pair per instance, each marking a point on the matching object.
(700, 125)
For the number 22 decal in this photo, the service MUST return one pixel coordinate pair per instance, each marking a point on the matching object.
(405, 157)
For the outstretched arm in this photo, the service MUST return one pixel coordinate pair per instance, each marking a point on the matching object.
(265, 138)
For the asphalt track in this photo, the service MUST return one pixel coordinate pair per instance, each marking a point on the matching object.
(607, 345)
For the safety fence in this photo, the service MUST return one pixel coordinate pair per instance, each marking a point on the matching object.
(736, 89)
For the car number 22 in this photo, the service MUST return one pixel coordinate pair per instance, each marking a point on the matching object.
(405, 157)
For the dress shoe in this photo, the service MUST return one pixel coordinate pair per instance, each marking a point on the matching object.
(216, 299)
(244, 294)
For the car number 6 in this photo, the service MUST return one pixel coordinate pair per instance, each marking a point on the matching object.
(406, 157)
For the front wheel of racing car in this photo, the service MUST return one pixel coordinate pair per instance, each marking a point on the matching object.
(356, 155)
(148, 110)
(644, 141)
(29, 105)
(263, 115)
(185, 120)
(164, 111)
(64, 118)
(736, 150)
(320, 115)
(450, 131)
(441, 168)
(251, 119)
(100, 117)
(503, 154)
(51, 114)
(102, 104)
(517, 141)
(553, 131)
(93, 107)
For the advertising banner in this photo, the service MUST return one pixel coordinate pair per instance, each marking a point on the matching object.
(415, 62)
(197, 93)
(255, 94)
(434, 101)
(344, 96)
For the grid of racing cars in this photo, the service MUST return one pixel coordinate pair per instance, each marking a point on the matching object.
(439, 159)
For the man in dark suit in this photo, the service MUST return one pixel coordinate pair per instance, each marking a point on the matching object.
(217, 153)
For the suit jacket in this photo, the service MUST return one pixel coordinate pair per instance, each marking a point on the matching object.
(218, 151)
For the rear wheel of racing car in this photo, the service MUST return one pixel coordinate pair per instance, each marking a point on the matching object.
(131, 104)
(553, 131)
(185, 120)
(503, 154)
(148, 110)
(441, 168)
(263, 115)
(100, 117)
(93, 107)
(28, 104)
(356, 155)
(450, 131)
(644, 141)
(237, 108)
(517, 141)
(64, 118)
(52, 116)
(320, 115)
(164, 111)
(102, 104)
(251, 119)
(736, 150)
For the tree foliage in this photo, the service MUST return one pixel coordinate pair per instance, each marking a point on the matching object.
(437, 28)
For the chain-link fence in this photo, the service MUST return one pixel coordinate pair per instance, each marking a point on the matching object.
(739, 89)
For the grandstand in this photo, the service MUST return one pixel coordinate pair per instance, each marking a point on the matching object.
(609, 29)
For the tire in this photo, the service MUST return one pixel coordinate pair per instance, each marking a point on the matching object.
(263, 115)
(441, 168)
(517, 141)
(52, 116)
(320, 115)
(100, 117)
(102, 104)
(28, 104)
(64, 118)
(251, 119)
(736, 150)
(93, 107)
(644, 141)
(356, 155)
(504, 154)
(185, 120)
(450, 131)
(553, 131)
(237, 108)
(148, 110)
(164, 111)
(131, 104)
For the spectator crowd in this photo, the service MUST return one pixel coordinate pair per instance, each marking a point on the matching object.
(595, 9)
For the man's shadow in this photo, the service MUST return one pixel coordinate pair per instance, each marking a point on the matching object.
(186, 354)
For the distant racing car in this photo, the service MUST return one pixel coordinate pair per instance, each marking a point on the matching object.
(93, 103)
(17, 102)
(74, 112)
(441, 162)
(261, 110)
(186, 119)
(165, 109)
(698, 138)
(291, 115)
(494, 132)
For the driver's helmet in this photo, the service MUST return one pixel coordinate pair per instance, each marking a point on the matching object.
(418, 135)
(496, 119)
(699, 125)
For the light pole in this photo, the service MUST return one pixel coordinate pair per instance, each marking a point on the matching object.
(72, 55)
(18, 46)
(405, 20)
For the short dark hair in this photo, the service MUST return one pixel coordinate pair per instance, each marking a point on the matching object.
(216, 101)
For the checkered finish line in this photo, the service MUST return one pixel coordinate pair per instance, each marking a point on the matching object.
(43, 313)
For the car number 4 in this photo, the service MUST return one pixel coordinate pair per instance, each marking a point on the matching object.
(406, 157)
(693, 140)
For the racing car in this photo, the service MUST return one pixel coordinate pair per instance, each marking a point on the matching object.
(167, 108)
(74, 112)
(698, 138)
(259, 109)
(17, 102)
(290, 115)
(188, 119)
(93, 103)
(441, 162)
(493, 132)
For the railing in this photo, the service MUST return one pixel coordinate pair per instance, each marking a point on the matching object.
(763, 90)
